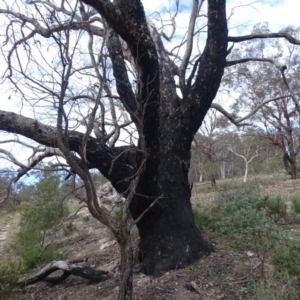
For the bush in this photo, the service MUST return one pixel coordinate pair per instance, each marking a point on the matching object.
(241, 222)
(23, 206)
(286, 256)
(30, 246)
(203, 220)
(276, 208)
(205, 189)
(10, 270)
(118, 213)
(278, 286)
(296, 203)
(38, 223)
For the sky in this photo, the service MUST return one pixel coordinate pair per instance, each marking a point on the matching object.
(243, 14)
(246, 13)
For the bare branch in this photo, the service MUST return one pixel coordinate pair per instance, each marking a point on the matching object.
(237, 39)
(277, 64)
(189, 42)
(238, 121)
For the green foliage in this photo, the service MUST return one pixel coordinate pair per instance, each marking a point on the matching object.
(10, 270)
(296, 203)
(209, 169)
(118, 213)
(287, 256)
(278, 286)
(246, 221)
(23, 206)
(241, 222)
(276, 208)
(38, 223)
(3, 212)
(203, 220)
(205, 189)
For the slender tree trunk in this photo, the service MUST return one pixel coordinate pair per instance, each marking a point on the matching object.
(213, 180)
(223, 170)
(126, 270)
(246, 171)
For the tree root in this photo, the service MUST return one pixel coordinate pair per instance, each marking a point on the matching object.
(68, 269)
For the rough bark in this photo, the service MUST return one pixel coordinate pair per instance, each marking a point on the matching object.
(169, 237)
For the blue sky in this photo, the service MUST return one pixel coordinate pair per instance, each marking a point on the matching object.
(278, 13)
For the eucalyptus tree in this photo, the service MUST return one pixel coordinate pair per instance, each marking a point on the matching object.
(269, 79)
(92, 73)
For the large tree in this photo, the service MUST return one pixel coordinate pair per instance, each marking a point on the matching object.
(92, 71)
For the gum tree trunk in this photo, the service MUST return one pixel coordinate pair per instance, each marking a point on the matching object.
(169, 237)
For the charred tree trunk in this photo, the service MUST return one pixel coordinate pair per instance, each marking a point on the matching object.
(169, 236)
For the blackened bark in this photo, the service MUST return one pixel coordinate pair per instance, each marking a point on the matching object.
(169, 236)
(116, 163)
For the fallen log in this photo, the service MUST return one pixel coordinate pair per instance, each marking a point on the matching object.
(68, 269)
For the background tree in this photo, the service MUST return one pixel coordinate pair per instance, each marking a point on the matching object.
(248, 153)
(101, 71)
(208, 155)
(278, 120)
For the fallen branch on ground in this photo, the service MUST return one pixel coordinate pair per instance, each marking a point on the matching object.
(68, 269)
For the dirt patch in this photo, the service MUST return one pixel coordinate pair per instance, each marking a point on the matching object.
(222, 275)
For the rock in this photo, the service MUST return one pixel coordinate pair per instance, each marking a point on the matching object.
(108, 244)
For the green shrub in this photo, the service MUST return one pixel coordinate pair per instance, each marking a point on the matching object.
(10, 270)
(39, 224)
(296, 203)
(286, 256)
(203, 220)
(118, 213)
(276, 208)
(23, 206)
(205, 189)
(30, 246)
(238, 219)
(278, 286)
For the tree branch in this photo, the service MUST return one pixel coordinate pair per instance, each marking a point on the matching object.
(68, 269)
(98, 154)
(238, 39)
(238, 121)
